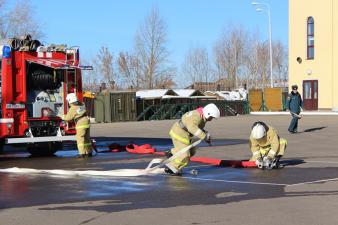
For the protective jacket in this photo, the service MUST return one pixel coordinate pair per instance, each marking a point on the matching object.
(191, 124)
(268, 145)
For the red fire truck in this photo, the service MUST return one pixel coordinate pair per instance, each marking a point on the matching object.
(34, 86)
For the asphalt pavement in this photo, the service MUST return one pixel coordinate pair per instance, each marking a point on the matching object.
(303, 192)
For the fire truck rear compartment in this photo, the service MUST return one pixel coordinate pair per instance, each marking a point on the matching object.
(44, 104)
(44, 100)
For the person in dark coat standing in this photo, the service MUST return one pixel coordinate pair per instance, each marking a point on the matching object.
(294, 104)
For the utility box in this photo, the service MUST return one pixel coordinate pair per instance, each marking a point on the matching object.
(100, 104)
(115, 107)
(123, 106)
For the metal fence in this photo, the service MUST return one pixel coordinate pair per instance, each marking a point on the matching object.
(123, 106)
(169, 110)
(267, 99)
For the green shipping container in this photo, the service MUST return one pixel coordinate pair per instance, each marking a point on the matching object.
(115, 107)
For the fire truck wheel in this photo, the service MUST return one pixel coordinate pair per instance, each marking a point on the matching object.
(44, 149)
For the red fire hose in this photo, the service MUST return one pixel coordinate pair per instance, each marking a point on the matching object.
(148, 149)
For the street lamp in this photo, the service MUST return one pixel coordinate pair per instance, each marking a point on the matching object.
(257, 4)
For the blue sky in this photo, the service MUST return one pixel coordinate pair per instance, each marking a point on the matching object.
(91, 24)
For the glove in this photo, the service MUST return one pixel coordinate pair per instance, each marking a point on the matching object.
(268, 162)
(259, 162)
(207, 138)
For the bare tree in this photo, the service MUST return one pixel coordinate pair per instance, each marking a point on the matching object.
(166, 81)
(104, 63)
(89, 79)
(18, 20)
(196, 66)
(130, 68)
(251, 62)
(280, 60)
(263, 63)
(229, 53)
(150, 48)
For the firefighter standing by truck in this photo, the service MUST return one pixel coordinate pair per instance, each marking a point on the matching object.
(190, 125)
(77, 113)
(266, 146)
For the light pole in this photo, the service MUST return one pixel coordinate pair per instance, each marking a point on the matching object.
(257, 4)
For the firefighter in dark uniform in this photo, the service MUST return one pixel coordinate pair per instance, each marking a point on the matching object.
(294, 104)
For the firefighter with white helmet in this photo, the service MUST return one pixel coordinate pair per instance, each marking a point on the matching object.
(266, 146)
(190, 125)
(77, 113)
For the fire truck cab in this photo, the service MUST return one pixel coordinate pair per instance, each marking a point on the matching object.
(34, 86)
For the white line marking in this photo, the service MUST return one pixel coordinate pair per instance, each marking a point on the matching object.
(234, 181)
(198, 166)
(313, 182)
(321, 162)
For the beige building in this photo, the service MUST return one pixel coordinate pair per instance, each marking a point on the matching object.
(313, 51)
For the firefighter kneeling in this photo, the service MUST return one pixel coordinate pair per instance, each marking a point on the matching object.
(191, 124)
(266, 146)
(77, 113)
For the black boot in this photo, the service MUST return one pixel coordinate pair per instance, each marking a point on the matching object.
(276, 162)
(170, 172)
(81, 156)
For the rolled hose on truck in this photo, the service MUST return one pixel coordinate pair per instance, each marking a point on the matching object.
(24, 41)
(42, 79)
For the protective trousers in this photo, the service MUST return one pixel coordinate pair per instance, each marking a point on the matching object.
(84, 144)
(183, 159)
(264, 151)
(294, 124)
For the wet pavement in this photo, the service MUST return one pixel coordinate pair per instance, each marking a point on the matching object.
(21, 190)
(91, 187)
(235, 191)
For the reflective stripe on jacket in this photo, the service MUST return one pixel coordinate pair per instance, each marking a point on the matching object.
(194, 123)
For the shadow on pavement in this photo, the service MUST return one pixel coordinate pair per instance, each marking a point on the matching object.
(314, 129)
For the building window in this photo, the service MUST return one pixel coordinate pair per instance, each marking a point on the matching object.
(310, 38)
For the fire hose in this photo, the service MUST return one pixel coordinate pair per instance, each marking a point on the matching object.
(148, 149)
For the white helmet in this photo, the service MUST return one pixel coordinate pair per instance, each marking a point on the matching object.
(71, 98)
(258, 131)
(211, 110)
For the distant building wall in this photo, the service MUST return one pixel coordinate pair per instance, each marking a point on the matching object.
(323, 68)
